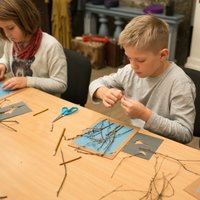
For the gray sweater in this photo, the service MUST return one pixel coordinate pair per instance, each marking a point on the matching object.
(170, 96)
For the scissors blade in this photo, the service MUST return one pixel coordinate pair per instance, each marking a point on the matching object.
(57, 118)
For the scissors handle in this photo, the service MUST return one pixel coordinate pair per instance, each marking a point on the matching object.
(68, 111)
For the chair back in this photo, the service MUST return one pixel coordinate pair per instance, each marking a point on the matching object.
(195, 76)
(79, 73)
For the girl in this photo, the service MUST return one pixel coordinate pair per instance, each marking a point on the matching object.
(35, 59)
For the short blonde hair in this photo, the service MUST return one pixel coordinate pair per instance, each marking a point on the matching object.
(145, 32)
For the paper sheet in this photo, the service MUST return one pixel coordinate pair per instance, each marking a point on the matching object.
(142, 146)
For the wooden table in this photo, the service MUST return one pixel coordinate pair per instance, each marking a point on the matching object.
(29, 171)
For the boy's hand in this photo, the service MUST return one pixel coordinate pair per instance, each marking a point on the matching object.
(135, 109)
(2, 71)
(109, 96)
(15, 83)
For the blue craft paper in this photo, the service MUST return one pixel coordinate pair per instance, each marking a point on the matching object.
(86, 141)
(2, 91)
(198, 190)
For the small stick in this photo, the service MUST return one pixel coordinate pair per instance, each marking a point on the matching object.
(3, 197)
(8, 126)
(61, 136)
(41, 112)
(15, 121)
(65, 175)
(51, 128)
(70, 160)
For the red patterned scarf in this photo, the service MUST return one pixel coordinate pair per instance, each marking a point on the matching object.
(30, 49)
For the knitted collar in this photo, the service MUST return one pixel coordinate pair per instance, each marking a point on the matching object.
(30, 49)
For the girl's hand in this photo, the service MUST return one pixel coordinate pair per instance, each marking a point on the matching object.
(135, 109)
(109, 96)
(15, 83)
(2, 71)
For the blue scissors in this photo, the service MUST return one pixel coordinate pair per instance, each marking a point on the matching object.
(66, 111)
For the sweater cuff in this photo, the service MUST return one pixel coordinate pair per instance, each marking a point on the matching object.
(149, 124)
(30, 81)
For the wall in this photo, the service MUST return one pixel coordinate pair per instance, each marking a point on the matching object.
(193, 61)
(184, 33)
(44, 8)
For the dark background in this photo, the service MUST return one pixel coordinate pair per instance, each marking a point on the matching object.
(77, 23)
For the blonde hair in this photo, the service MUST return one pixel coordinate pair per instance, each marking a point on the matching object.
(145, 32)
(23, 12)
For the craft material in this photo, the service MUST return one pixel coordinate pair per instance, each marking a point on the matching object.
(70, 160)
(13, 110)
(142, 146)
(105, 138)
(3, 92)
(40, 112)
(59, 141)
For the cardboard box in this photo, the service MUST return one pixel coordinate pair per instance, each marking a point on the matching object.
(95, 51)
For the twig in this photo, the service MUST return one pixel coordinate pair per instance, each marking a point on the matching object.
(3, 100)
(89, 130)
(70, 160)
(65, 175)
(15, 121)
(3, 197)
(153, 192)
(59, 141)
(120, 164)
(114, 190)
(8, 126)
(176, 160)
(72, 138)
(40, 112)
(52, 127)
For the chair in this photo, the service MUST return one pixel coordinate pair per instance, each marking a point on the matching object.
(195, 76)
(79, 72)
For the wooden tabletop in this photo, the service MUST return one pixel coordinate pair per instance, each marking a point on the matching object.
(29, 171)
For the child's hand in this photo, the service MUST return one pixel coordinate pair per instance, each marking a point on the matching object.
(2, 71)
(15, 83)
(135, 109)
(109, 96)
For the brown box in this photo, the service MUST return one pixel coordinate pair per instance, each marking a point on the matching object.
(95, 51)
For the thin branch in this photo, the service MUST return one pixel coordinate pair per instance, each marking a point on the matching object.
(114, 190)
(40, 112)
(69, 161)
(3, 197)
(8, 126)
(65, 175)
(120, 164)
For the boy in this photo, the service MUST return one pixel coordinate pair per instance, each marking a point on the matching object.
(155, 93)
